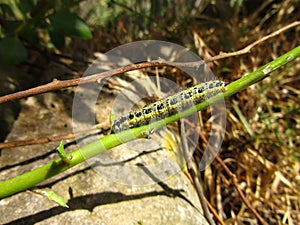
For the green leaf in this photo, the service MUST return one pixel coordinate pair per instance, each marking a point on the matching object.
(12, 51)
(69, 24)
(51, 195)
(62, 153)
(57, 38)
(225, 70)
(31, 35)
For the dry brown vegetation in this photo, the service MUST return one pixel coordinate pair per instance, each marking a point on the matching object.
(261, 147)
(262, 142)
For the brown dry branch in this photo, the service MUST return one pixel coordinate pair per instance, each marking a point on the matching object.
(247, 49)
(214, 212)
(61, 84)
(70, 136)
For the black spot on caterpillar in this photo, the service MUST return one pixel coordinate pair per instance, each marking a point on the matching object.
(170, 105)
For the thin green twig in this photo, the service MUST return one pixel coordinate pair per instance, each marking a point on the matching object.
(29, 179)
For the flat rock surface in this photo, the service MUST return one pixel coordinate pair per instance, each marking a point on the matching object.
(93, 198)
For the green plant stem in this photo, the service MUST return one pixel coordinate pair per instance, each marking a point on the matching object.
(29, 179)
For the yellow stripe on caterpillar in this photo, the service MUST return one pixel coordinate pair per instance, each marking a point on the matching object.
(170, 105)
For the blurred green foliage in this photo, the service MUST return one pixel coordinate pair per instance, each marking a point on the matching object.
(46, 23)
(37, 24)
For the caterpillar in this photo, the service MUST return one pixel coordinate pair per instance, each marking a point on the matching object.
(169, 105)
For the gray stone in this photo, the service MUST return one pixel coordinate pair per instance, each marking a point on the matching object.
(92, 198)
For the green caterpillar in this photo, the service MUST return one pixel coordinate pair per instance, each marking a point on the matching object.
(170, 105)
